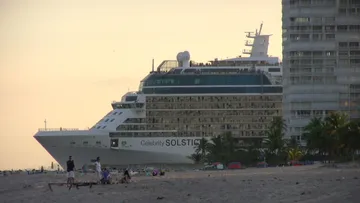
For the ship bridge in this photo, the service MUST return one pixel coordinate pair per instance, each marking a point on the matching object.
(131, 100)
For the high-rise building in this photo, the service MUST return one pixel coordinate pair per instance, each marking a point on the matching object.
(321, 60)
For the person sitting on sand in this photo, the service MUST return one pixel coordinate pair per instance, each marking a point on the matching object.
(162, 172)
(98, 169)
(70, 165)
(106, 177)
(126, 177)
(155, 172)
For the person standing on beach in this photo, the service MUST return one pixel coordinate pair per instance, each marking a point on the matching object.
(98, 169)
(70, 165)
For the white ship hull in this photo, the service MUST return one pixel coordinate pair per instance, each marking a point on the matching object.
(130, 151)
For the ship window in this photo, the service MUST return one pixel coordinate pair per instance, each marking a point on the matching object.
(131, 98)
(72, 142)
(209, 79)
(274, 69)
(208, 90)
(98, 142)
(112, 120)
(106, 120)
(197, 81)
(85, 142)
(104, 127)
(114, 143)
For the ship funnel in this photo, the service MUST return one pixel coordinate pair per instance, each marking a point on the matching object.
(183, 59)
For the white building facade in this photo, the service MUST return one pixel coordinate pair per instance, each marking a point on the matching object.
(321, 60)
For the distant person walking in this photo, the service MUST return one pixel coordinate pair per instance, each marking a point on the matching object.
(70, 167)
(98, 169)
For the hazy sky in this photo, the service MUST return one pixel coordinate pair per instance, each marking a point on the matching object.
(67, 60)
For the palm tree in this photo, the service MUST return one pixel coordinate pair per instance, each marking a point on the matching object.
(314, 135)
(292, 143)
(250, 153)
(196, 158)
(350, 138)
(222, 148)
(335, 125)
(274, 140)
(294, 154)
(229, 144)
(333, 135)
(216, 149)
(202, 149)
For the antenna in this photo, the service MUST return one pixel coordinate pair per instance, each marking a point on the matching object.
(152, 69)
(45, 123)
(261, 25)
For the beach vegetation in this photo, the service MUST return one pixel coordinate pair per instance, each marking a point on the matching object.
(334, 137)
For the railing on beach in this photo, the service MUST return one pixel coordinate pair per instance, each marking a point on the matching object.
(58, 129)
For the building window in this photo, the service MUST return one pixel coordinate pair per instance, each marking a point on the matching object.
(104, 127)
(342, 28)
(316, 20)
(98, 142)
(354, 27)
(343, 44)
(112, 120)
(106, 120)
(317, 28)
(300, 20)
(330, 36)
(114, 113)
(329, 28)
(342, 11)
(330, 53)
(316, 37)
(85, 142)
(329, 19)
(353, 44)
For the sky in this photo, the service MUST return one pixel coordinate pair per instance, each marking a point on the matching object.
(66, 61)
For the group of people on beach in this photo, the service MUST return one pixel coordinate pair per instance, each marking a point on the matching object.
(102, 175)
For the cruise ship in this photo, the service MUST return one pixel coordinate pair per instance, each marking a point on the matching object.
(177, 104)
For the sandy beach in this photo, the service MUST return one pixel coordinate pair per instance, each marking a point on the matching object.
(284, 184)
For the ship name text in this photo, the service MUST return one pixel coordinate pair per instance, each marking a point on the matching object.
(171, 142)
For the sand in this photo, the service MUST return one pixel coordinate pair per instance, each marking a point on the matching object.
(306, 184)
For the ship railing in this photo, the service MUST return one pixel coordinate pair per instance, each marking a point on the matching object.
(228, 64)
(243, 69)
(125, 102)
(58, 129)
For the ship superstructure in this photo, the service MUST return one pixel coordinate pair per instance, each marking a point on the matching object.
(176, 105)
